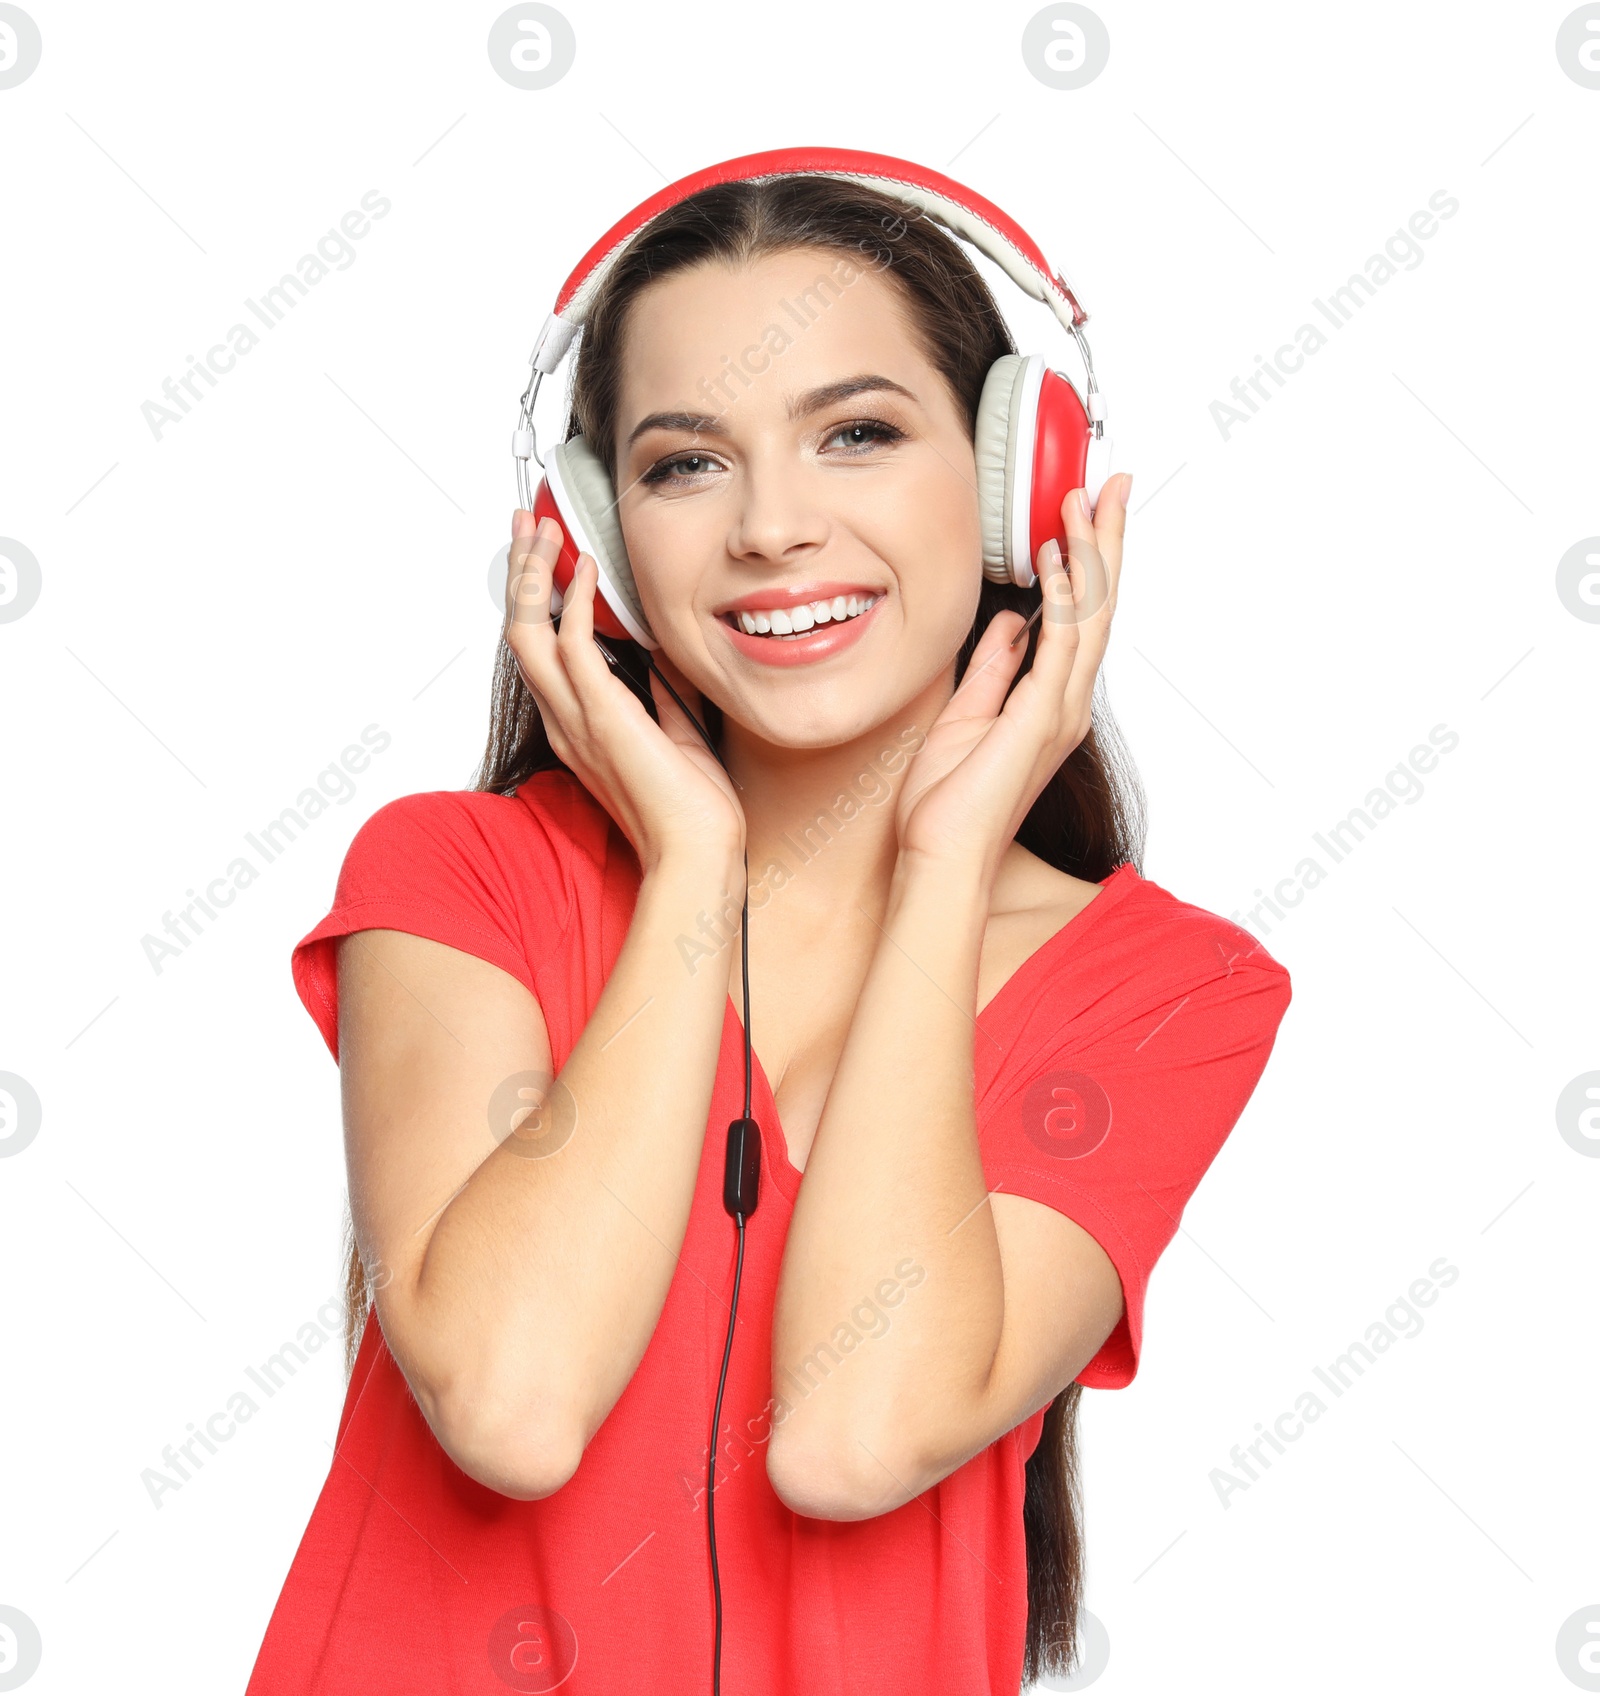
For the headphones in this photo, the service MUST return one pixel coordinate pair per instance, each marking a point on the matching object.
(1035, 441)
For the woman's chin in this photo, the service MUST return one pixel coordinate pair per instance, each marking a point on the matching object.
(822, 726)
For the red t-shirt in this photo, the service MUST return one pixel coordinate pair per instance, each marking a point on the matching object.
(1108, 1071)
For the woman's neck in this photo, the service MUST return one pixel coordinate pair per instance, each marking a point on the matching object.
(820, 822)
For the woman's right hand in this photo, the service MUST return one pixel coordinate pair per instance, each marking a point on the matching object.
(666, 790)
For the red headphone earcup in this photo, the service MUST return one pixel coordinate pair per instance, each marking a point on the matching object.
(1030, 447)
(1060, 455)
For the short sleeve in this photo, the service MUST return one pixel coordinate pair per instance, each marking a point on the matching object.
(1116, 1128)
(469, 869)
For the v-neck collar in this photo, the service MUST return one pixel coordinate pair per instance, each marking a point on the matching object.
(763, 1102)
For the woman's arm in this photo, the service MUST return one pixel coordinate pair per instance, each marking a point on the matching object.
(526, 1272)
(526, 1265)
(1015, 1298)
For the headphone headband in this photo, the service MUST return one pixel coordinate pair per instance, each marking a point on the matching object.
(965, 213)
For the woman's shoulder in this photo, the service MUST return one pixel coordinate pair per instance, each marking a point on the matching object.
(550, 806)
(541, 847)
(507, 860)
(1158, 934)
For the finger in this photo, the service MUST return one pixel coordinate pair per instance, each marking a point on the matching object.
(587, 669)
(1110, 521)
(1055, 651)
(1076, 614)
(529, 631)
(535, 544)
(530, 560)
(1085, 562)
(991, 670)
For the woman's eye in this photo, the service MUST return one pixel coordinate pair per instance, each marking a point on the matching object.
(867, 432)
(665, 472)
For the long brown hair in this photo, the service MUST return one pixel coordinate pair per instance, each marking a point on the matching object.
(1089, 818)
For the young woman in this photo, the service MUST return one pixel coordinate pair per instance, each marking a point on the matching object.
(992, 1059)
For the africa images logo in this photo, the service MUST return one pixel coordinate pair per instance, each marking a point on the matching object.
(1067, 1114)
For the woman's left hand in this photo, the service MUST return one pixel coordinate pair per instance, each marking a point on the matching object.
(987, 756)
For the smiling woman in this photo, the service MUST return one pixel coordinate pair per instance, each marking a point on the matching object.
(988, 1062)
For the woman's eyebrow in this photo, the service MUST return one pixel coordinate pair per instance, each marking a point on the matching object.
(799, 406)
(694, 422)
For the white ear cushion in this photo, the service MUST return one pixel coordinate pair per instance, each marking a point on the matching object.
(994, 438)
(596, 527)
(1022, 439)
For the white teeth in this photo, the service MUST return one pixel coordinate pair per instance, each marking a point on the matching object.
(795, 621)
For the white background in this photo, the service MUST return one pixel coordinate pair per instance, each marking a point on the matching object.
(307, 553)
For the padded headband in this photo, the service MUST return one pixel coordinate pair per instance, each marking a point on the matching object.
(959, 209)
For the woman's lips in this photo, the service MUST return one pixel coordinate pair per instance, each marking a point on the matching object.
(821, 642)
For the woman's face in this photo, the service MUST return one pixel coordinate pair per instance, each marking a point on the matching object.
(783, 441)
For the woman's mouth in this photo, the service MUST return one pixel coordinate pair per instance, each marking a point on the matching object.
(794, 635)
(787, 622)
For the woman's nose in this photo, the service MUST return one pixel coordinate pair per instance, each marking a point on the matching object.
(776, 514)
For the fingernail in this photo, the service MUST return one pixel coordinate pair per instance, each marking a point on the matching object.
(1127, 486)
(1083, 503)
